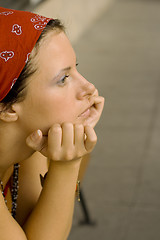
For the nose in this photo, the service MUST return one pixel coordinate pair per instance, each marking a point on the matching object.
(86, 89)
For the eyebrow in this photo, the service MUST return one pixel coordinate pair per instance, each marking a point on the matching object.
(65, 69)
(62, 70)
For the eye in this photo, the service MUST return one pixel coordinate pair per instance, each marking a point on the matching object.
(62, 81)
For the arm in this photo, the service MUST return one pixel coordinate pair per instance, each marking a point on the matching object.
(30, 186)
(9, 228)
(84, 164)
(62, 173)
(52, 215)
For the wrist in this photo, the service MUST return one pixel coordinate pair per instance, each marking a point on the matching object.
(75, 162)
(65, 168)
(64, 172)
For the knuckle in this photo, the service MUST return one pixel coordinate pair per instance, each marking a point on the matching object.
(69, 155)
(31, 144)
(79, 126)
(54, 156)
(93, 139)
(55, 128)
(96, 92)
(79, 154)
(90, 150)
(67, 125)
(88, 128)
(103, 100)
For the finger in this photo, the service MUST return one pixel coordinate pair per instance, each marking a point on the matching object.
(79, 135)
(91, 139)
(95, 93)
(35, 140)
(54, 140)
(99, 103)
(67, 135)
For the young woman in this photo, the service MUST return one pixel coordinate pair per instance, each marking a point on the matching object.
(48, 111)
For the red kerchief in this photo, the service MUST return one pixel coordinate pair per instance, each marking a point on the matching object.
(19, 32)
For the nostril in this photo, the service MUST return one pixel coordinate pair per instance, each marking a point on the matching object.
(81, 95)
(87, 89)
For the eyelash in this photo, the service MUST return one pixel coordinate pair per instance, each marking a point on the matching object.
(62, 81)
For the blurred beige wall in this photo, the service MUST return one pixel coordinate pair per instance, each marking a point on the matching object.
(77, 15)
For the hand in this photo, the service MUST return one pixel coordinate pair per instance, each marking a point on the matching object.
(96, 109)
(64, 142)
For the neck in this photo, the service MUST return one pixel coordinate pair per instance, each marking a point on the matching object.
(13, 148)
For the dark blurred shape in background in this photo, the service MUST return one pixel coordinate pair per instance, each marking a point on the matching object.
(20, 4)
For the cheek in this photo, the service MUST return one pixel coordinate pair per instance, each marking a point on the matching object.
(64, 110)
(52, 107)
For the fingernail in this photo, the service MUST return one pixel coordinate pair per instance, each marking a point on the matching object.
(39, 132)
(35, 135)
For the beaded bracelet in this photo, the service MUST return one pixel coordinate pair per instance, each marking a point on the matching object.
(78, 190)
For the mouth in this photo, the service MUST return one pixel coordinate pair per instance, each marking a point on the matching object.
(87, 112)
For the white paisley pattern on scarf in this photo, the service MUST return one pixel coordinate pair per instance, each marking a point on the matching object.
(6, 55)
(6, 13)
(17, 29)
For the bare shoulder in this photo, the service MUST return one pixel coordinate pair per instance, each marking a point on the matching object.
(29, 184)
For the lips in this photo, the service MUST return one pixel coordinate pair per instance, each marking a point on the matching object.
(86, 113)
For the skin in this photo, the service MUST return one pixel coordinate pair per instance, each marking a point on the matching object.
(57, 99)
(41, 111)
(51, 120)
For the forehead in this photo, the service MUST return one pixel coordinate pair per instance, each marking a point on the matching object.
(56, 47)
(55, 53)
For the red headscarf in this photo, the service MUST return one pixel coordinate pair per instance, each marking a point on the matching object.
(19, 32)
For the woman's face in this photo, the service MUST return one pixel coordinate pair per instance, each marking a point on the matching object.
(57, 92)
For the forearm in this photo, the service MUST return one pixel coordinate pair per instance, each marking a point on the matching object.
(9, 228)
(84, 165)
(52, 216)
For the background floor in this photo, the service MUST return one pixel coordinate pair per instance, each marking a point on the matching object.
(120, 54)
